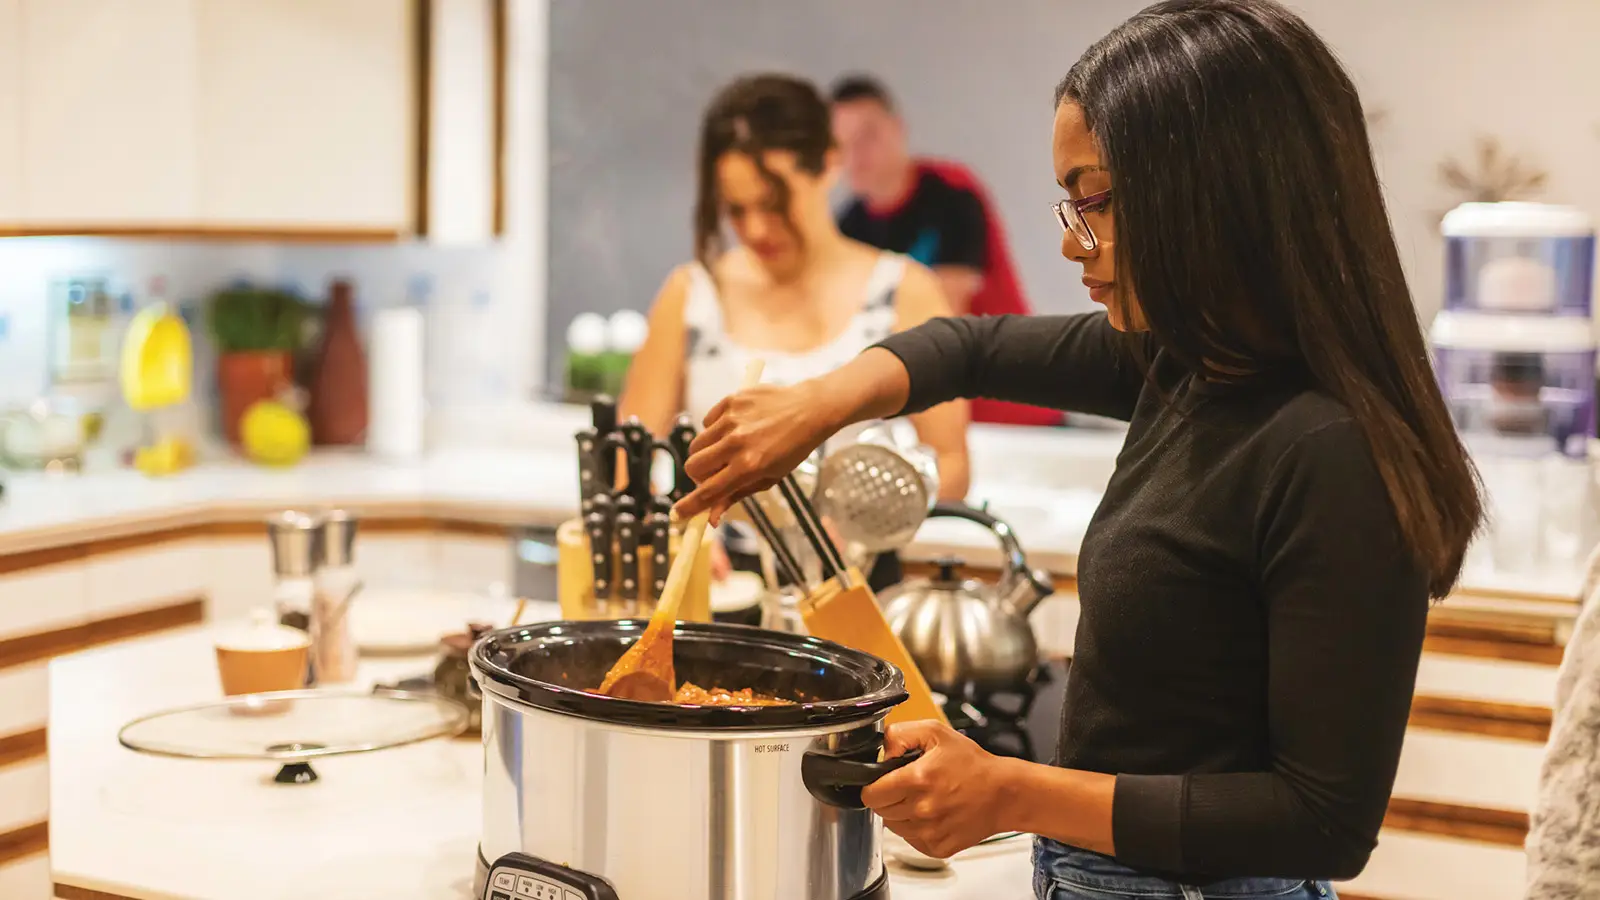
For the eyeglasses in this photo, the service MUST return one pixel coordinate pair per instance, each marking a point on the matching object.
(1070, 212)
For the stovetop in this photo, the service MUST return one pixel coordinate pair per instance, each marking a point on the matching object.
(1022, 723)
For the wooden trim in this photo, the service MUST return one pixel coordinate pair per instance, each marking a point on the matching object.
(1511, 651)
(1507, 828)
(46, 644)
(23, 746)
(1480, 717)
(1065, 584)
(25, 841)
(11, 563)
(499, 61)
(73, 892)
(1489, 593)
(422, 10)
(281, 234)
(1476, 627)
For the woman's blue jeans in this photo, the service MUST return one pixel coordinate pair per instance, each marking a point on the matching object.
(1067, 873)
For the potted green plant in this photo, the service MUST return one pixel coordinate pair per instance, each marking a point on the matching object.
(257, 332)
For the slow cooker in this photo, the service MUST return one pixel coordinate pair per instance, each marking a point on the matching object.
(595, 797)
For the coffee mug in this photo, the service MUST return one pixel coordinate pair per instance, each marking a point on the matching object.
(262, 656)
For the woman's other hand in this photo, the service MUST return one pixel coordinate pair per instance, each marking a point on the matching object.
(751, 440)
(948, 800)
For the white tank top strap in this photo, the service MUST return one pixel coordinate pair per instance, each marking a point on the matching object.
(702, 308)
(885, 280)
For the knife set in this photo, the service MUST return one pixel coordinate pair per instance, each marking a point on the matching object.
(613, 559)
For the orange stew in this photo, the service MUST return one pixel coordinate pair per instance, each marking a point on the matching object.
(690, 694)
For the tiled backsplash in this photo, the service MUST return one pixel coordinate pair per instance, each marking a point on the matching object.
(471, 350)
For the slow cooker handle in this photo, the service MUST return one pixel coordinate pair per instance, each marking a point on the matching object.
(837, 779)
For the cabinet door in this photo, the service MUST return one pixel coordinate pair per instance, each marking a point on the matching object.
(10, 112)
(108, 125)
(462, 128)
(307, 114)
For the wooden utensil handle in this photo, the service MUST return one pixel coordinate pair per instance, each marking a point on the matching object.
(694, 535)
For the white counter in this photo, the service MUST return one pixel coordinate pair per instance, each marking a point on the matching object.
(1046, 483)
(506, 487)
(399, 824)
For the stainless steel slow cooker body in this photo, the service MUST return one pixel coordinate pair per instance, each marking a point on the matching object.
(752, 803)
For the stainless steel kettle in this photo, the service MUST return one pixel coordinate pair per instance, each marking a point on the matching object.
(964, 634)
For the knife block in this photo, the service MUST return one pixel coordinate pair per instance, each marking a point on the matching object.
(853, 618)
(575, 578)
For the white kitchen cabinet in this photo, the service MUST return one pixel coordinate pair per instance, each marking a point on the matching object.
(306, 114)
(239, 568)
(143, 577)
(395, 559)
(108, 113)
(1435, 867)
(43, 599)
(475, 561)
(24, 794)
(27, 878)
(463, 135)
(24, 699)
(10, 112)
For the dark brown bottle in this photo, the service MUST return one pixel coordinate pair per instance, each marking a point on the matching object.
(338, 408)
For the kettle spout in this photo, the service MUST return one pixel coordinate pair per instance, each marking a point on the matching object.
(1024, 591)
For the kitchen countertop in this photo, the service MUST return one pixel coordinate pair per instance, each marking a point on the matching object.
(1046, 483)
(399, 824)
(496, 486)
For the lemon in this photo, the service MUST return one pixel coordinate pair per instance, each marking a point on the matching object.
(273, 434)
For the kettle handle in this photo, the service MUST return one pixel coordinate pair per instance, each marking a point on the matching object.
(1010, 548)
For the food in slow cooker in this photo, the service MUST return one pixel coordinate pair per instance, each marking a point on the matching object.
(691, 694)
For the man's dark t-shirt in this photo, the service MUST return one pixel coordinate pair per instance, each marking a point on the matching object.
(945, 220)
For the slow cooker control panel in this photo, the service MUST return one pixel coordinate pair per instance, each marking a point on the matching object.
(517, 876)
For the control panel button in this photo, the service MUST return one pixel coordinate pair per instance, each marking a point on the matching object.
(499, 895)
(574, 895)
(505, 880)
(526, 885)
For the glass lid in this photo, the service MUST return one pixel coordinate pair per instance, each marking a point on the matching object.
(288, 726)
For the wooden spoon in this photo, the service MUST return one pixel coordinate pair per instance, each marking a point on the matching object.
(645, 671)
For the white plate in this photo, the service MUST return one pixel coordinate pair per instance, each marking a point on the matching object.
(397, 621)
(906, 855)
(740, 590)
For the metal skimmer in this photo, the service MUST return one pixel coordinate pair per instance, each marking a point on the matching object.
(874, 496)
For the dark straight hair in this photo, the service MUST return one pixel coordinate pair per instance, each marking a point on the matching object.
(753, 115)
(1252, 229)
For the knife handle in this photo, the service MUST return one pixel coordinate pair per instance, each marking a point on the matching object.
(603, 413)
(589, 483)
(678, 441)
(628, 560)
(636, 439)
(660, 530)
(598, 526)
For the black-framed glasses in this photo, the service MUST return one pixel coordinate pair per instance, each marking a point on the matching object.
(1070, 212)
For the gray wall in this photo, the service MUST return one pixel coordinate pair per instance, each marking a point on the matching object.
(629, 78)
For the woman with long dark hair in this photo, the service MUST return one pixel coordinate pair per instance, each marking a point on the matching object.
(792, 289)
(1291, 493)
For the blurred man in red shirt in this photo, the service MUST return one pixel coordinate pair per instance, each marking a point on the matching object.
(934, 211)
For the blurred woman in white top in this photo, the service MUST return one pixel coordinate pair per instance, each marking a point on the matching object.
(792, 290)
